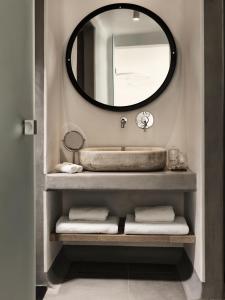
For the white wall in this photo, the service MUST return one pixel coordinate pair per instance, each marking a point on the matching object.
(178, 112)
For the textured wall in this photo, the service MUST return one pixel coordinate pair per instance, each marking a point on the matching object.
(103, 127)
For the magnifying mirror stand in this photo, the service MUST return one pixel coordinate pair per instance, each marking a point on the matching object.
(74, 156)
(73, 141)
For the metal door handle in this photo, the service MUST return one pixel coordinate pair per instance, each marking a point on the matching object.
(30, 127)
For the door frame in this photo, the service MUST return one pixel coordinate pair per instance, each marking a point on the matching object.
(214, 148)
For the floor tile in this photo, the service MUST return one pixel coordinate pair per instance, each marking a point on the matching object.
(107, 281)
(153, 289)
(92, 289)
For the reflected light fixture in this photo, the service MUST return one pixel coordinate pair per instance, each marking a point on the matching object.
(136, 15)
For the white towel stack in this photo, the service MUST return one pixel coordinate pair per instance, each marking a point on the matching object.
(88, 213)
(154, 214)
(88, 220)
(155, 220)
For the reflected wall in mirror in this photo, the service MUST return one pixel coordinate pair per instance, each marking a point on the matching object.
(121, 57)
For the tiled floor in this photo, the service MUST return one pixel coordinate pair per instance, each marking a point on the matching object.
(119, 282)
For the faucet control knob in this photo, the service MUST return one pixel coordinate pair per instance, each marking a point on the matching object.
(144, 120)
(123, 122)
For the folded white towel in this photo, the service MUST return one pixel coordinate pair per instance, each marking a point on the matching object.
(110, 226)
(178, 227)
(154, 214)
(89, 213)
(68, 168)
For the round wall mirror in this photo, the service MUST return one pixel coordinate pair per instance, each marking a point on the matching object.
(121, 57)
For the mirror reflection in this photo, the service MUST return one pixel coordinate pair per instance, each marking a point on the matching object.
(121, 57)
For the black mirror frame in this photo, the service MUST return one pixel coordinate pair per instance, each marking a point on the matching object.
(141, 9)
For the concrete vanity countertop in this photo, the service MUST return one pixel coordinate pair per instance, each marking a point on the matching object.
(163, 180)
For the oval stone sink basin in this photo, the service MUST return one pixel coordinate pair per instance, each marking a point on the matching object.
(123, 158)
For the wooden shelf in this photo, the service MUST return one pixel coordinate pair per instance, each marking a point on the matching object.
(123, 238)
(158, 181)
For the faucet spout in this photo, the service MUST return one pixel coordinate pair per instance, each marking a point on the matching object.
(123, 122)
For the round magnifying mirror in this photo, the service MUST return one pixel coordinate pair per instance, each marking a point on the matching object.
(73, 141)
(121, 57)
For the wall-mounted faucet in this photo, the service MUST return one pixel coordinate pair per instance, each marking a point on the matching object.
(144, 120)
(123, 122)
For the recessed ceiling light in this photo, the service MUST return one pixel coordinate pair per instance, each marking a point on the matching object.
(136, 15)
